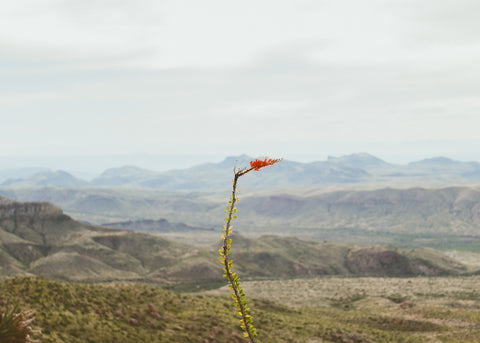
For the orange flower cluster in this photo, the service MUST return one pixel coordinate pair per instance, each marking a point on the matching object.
(257, 164)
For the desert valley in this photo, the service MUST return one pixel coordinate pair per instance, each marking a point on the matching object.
(351, 249)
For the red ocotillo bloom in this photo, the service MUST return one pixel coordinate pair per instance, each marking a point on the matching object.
(257, 164)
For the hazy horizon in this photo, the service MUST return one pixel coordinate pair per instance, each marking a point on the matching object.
(302, 80)
(90, 166)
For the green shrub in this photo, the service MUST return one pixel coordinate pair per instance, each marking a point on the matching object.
(15, 325)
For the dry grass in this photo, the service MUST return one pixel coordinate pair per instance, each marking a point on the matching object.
(421, 309)
(364, 291)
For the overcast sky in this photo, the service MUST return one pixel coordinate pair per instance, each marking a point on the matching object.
(299, 79)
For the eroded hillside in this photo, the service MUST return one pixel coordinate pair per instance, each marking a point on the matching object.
(38, 239)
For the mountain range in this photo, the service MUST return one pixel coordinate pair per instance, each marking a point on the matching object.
(45, 178)
(313, 214)
(39, 239)
(352, 169)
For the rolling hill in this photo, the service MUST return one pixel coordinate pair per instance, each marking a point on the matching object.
(358, 310)
(38, 239)
(451, 211)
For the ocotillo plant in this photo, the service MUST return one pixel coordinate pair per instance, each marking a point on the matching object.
(238, 295)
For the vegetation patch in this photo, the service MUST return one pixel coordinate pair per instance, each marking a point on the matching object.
(137, 312)
(399, 324)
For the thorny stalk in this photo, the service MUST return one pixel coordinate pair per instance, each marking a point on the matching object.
(238, 294)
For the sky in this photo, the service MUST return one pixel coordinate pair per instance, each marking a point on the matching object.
(180, 81)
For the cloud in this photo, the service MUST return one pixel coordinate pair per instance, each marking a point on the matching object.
(143, 77)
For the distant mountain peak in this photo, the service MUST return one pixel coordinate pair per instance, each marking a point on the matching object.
(357, 160)
(19, 173)
(240, 160)
(438, 160)
(123, 175)
(46, 178)
(126, 168)
(237, 158)
(357, 155)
